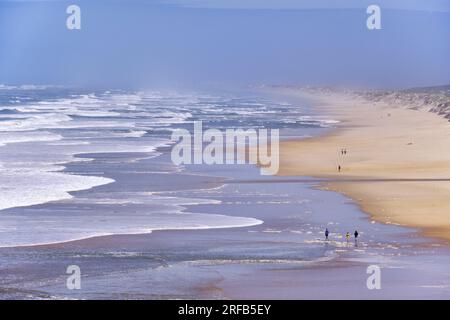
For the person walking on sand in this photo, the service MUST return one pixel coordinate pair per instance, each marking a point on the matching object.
(339, 168)
(326, 233)
(347, 236)
(356, 234)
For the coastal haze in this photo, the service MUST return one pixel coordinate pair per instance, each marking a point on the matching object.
(196, 44)
(87, 125)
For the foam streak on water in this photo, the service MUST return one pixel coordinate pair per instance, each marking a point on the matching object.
(44, 129)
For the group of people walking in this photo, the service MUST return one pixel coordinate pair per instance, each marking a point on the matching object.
(347, 235)
(343, 152)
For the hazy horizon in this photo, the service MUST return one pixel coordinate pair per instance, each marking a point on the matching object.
(192, 44)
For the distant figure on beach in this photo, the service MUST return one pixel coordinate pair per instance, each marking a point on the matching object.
(347, 236)
(345, 151)
(326, 234)
(356, 234)
(339, 168)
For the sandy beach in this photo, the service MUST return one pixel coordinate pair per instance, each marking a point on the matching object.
(397, 165)
(162, 232)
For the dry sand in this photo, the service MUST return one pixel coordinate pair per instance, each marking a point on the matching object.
(397, 166)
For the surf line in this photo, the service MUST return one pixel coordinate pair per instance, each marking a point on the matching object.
(214, 146)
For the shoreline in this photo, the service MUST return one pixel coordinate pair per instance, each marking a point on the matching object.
(395, 166)
(284, 258)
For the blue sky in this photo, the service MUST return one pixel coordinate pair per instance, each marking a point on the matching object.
(196, 43)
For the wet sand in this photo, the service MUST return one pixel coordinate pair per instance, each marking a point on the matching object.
(286, 257)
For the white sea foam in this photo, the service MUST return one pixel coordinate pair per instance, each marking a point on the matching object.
(30, 229)
(26, 87)
(35, 122)
(16, 137)
(32, 153)
(19, 189)
(38, 138)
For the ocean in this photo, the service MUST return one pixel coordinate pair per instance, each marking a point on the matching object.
(95, 166)
(43, 130)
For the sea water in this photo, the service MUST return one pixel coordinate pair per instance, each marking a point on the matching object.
(44, 129)
(76, 164)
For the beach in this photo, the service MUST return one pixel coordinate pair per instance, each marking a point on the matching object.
(396, 166)
(224, 150)
(140, 227)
